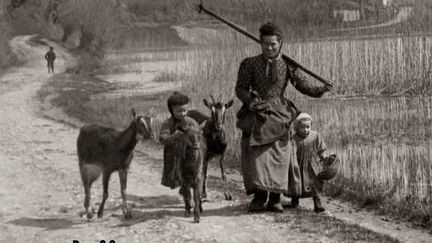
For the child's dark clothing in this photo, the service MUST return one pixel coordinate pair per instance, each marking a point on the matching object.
(171, 176)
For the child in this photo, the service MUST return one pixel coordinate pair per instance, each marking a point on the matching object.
(310, 148)
(169, 135)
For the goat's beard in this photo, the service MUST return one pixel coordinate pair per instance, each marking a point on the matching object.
(195, 154)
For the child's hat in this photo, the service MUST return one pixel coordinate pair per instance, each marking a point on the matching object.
(303, 116)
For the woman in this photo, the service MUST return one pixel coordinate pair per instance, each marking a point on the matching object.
(264, 118)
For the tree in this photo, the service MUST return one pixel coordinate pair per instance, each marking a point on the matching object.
(95, 19)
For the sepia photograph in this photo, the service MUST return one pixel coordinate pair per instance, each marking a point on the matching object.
(252, 121)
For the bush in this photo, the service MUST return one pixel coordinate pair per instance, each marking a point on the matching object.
(5, 52)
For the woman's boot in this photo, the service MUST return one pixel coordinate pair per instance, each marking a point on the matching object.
(274, 204)
(258, 202)
(294, 202)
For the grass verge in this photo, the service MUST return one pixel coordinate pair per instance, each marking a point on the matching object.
(333, 229)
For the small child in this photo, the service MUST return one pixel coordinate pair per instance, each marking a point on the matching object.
(169, 135)
(310, 148)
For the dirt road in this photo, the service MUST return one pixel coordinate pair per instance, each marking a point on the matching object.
(41, 193)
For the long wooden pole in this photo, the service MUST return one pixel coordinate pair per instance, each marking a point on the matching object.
(201, 8)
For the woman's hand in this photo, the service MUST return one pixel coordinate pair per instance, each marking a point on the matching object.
(328, 87)
(254, 102)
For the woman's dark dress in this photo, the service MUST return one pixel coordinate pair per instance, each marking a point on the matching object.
(267, 158)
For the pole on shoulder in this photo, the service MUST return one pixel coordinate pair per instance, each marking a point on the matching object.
(232, 25)
(201, 9)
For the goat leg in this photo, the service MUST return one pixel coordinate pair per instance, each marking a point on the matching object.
(224, 179)
(87, 212)
(197, 203)
(187, 199)
(123, 185)
(88, 175)
(106, 178)
(204, 184)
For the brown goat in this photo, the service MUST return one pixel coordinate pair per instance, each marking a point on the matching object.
(215, 136)
(193, 153)
(103, 150)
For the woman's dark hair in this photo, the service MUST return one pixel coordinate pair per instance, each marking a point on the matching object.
(270, 29)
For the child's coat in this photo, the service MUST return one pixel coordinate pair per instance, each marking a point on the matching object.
(171, 175)
(307, 152)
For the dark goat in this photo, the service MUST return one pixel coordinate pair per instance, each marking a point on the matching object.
(193, 152)
(103, 150)
(215, 137)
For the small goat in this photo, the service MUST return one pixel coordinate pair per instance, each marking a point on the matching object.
(215, 137)
(193, 153)
(103, 150)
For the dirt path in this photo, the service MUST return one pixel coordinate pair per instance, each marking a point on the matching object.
(41, 193)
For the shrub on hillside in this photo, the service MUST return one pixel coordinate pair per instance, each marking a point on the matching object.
(5, 52)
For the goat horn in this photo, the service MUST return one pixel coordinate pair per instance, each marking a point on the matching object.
(151, 110)
(212, 99)
(133, 113)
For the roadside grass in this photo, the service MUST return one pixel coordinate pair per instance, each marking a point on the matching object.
(8, 58)
(74, 94)
(381, 199)
(4, 46)
(334, 229)
(144, 38)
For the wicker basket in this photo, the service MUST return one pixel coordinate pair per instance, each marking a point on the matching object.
(330, 167)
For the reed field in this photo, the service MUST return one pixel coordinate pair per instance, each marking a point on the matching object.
(385, 146)
(389, 65)
(378, 118)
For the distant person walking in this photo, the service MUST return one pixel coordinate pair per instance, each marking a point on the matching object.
(50, 56)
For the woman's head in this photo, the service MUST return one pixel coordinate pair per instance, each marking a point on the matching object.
(271, 39)
(177, 105)
(303, 124)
